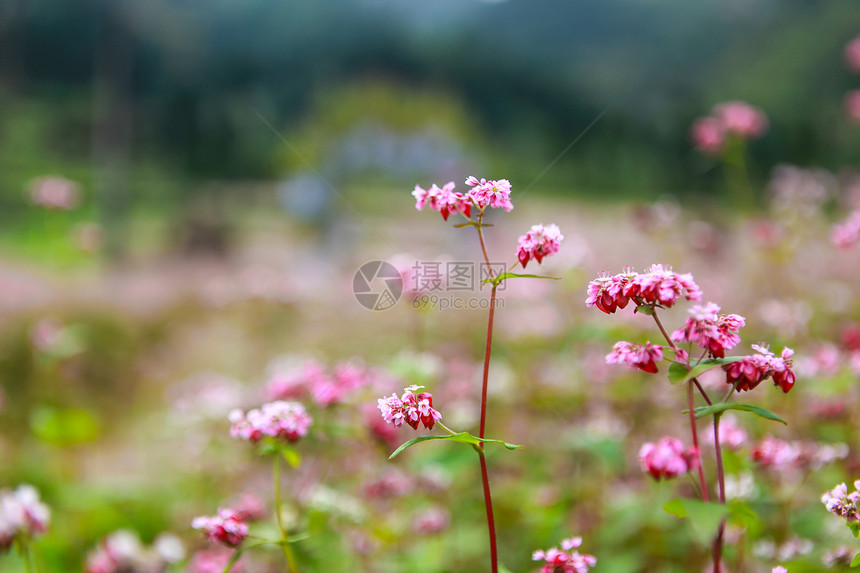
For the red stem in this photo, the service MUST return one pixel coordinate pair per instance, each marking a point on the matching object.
(488, 503)
(695, 434)
(718, 542)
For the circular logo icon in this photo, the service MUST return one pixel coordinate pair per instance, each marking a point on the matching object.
(377, 285)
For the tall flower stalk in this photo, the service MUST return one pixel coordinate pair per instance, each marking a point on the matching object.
(540, 241)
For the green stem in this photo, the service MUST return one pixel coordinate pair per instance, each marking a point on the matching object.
(28, 557)
(284, 541)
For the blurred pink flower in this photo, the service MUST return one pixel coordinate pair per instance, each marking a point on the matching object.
(213, 560)
(21, 514)
(248, 507)
(566, 559)
(852, 54)
(538, 243)
(846, 233)
(226, 528)
(667, 458)
(46, 334)
(643, 357)
(779, 569)
(279, 419)
(711, 330)
(495, 194)
(411, 408)
(708, 135)
(54, 193)
(732, 435)
(741, 119)
(431, 521)
(852, 105)
(119, 552)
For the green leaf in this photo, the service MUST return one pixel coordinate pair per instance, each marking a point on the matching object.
(644, 309)
(704, 517)
(679, 373)
(472, 224)
(462, 437)
(703, 411)
(742, 515)
(64, 427)
(292, 456)
(504, 276)
(855, 528)
(856, 561)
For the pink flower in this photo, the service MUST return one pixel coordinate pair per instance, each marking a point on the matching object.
(431, 521)
(495, 194)
(21, 514)
(538, 243)
(118, 552)
(753, 369)
(852, 55)
(667, 458)
(249, 507)
(846, 233)
(779, 569)
(226, 528)
(607, 292)
(411, 408)
(843, 504)
(213, 560)
(660, 285)
(643, 357)
(55, 193)
(566, 559)
(279, 419)
(741, 119)
(732, 435)
(852, 105)
(710, 330)
(708, 135)
(444, 199)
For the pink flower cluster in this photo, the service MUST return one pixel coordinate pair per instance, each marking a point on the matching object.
(495, 194)
(565, 560)
(227, 528)
(411, 408)
(852, 54)
(846, 233)
(658, 286)
(214, 560)
(483, 194)
(643, 357)
(55, 193)
(443, 199)
(541, 241)
(667, 458)
(755, 368)
(123, 552)
(278, 419)
(734, 118)
(843, 504)
(22, 515)
(784, 456)
(325, 386)
(711, 330)
(732, 435)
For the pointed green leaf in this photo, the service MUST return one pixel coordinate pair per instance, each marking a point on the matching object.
(703, 411)
(855, 528)
(472, 224)
(705, 517)
(462, 437)
(680, 374)
(644, 309)
(675, 507)
(856, 561)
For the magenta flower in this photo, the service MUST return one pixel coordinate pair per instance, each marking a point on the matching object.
(660, 285)
(226, 528)
(843, 504)
(566, 559)
(667, 458)
(846, 233)
(779, 569)
(214, 560)
(852, 54)
(21, 514)
(495, 194)
(279, 419)
(607, 292)
(755, 368)
(538, 243)
(711, 330)
(708, 135)
(431, 521)
(741, 119)
(643, 357)
(411, 408)
(444, 199)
